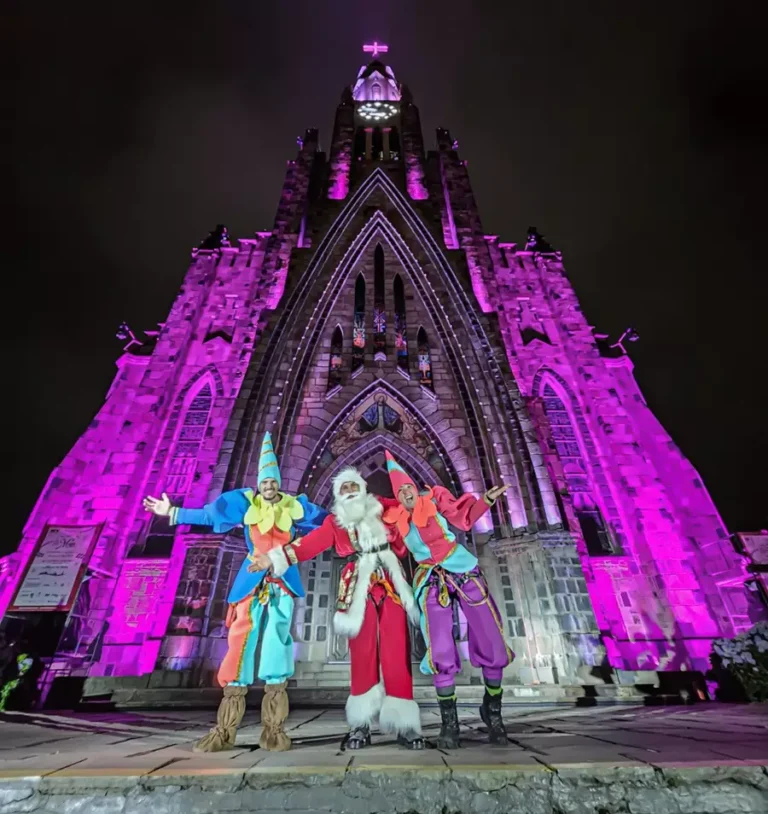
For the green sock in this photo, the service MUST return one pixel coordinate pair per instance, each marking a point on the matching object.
(492, 690)
(451, 697)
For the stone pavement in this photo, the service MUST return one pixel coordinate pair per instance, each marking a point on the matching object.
(704, 759)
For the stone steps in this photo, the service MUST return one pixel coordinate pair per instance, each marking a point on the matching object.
(330, 694)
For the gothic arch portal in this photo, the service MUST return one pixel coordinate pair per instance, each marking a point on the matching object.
(495, 437)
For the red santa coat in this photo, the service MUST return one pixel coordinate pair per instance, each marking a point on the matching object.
(372, 548)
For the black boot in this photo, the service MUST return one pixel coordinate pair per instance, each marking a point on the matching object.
(449, 731)
(490, 712)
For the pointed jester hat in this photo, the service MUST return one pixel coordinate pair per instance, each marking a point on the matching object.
(268, 467)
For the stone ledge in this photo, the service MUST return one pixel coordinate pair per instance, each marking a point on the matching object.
(621, 788)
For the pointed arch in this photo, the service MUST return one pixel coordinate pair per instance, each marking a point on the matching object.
(192, 418)
(425, 359)
(335, 360)
(511, 440)
(379, 306)
(571, 439)
(401, 336)
(358, 328)
(316, 470)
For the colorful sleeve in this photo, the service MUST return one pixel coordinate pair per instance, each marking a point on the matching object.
(313, 518)
(223, 514)
(462, 512)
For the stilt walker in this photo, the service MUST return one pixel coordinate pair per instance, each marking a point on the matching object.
(447, 574)
(260, 604)
(373, 604)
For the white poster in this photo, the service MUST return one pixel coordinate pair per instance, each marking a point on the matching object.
(55, 569)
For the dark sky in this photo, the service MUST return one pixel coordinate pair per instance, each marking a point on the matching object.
(630, 134)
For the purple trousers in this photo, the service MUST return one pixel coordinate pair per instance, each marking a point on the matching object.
(485, 634)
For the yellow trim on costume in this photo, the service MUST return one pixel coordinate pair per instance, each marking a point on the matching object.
(266, 516)
(290, 554)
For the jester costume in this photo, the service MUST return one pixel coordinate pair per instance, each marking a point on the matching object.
(260, 604)
(449, 574)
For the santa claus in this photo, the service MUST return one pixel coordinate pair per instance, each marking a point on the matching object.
(373, 605)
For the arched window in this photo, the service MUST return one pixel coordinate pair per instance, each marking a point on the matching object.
(394, 144)
(358, 330)
(401, 339)
(425, 360)
(181, 470)
(378, 145)
(376, 92)
(360, 144)
(379, 308)
(577, 477)
(334, 365)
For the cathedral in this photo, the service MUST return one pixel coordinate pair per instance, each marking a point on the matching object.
(378, 315)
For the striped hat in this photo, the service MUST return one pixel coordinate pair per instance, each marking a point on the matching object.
(268, 467)
(397, 475)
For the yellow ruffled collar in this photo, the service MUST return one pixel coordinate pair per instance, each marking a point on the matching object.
(266, 516)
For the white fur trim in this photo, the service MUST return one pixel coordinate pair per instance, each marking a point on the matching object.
(348, 622)
(348, 475)
(362, 709)
(399, 716)
(280, 562)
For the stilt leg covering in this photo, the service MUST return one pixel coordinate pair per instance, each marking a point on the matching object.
(274, 711)
(229, 717)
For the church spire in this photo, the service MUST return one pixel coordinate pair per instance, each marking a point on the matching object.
(376, 81)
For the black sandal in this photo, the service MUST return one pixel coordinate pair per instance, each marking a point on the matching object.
(411, 741)
(357, 738)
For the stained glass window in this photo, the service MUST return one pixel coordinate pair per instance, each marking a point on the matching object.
(358, 329)
(425, 360)
(401, 338)
(379, 307)
(334, 366)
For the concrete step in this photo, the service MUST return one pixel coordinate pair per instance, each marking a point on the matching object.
(309, 694)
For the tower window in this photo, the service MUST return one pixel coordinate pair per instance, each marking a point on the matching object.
(376, 92)
(358, 330)
(378, 145)
(334, 365)
(360, 144)
(595, 535)
(401, 339)
(394, 144)
(425, 360)
(379, 308)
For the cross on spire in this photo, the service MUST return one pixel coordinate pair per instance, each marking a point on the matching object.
(375, 49)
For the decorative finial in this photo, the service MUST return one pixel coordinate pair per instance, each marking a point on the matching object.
(375, 49)
(216, 239)
(536, 242)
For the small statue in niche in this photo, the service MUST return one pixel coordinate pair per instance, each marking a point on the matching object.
(216, 239)
(536, 243)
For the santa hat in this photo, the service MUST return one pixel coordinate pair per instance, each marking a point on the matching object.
(397, 475)
(348, 475)
(268, 467)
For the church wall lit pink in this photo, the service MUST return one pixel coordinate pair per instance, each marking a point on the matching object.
(673, 580)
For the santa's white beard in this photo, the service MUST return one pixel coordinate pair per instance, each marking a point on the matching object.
(350, 509)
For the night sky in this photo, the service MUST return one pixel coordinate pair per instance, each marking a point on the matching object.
(629, 134)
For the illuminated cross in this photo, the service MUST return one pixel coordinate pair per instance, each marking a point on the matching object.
(375, 49)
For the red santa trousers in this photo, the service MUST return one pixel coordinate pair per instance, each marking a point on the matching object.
(381, 677)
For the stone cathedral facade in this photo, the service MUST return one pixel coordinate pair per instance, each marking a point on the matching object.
(377, 314)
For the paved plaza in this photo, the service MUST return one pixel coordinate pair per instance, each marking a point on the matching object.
(706, 758)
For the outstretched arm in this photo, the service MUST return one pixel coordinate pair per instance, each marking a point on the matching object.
(463, 512)
(223, 514)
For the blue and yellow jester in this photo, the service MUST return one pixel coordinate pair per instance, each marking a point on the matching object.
(260, 605)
